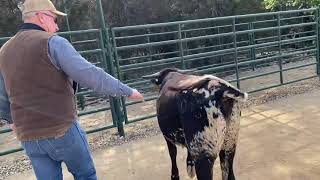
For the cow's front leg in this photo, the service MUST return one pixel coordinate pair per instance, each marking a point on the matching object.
(204, 168)
(191, 166)
(226, 163)
(173, 155)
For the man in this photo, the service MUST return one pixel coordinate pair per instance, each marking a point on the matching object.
(38, 67)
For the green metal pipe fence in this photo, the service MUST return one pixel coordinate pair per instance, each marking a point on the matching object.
(236, 48)
(179, 56)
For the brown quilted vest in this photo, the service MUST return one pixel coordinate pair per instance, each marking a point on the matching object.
(41, 96)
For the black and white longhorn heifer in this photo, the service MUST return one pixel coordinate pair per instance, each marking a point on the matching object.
(202, 114)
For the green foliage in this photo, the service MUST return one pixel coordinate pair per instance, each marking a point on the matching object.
(290, 4)
(9, 17)
(83, 13)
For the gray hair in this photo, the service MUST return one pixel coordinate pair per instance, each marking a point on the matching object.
(28, 15)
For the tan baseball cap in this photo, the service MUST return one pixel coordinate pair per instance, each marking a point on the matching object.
(40, 5)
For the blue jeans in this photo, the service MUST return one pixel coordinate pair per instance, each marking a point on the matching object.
(47, 155)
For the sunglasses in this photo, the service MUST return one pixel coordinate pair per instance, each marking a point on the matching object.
(55, 19)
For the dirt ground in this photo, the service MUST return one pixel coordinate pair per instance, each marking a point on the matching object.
(133, 157)
(278, 141)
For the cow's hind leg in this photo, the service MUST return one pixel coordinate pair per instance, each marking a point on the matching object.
(191, 166)
(226, 163)
(173, 155)
(204, 168)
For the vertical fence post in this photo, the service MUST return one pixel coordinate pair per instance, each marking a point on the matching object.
(117, 114)
(104, 63)
(183, 66)
(317, 41)
(279, 45)
(235, 51)
(149, 47)
(116, 59)
(185, 45)
(219, 43)
(252, 42)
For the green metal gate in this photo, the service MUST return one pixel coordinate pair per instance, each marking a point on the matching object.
(220, 46)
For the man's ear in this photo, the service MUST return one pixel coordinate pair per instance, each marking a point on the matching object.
(41, 18)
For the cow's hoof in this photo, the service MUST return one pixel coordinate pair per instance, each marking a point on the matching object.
(191, 171)
(175, 177)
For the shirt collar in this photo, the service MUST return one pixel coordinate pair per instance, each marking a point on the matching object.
(30, 26)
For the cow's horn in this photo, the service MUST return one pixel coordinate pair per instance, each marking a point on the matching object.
(151, 76)
(186, 70)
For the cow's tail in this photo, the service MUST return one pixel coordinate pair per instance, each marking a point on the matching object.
(236, 94)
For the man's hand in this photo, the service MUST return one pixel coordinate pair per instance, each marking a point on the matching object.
(136, 95)
(13, 127)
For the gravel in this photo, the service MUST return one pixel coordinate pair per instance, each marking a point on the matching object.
(138, 131)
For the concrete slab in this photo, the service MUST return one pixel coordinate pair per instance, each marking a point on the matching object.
(278, 141)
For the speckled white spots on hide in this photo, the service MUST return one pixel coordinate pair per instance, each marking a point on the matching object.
(173, 137)
(214, 102)
(209, 90)
(203, 91)
(213, 110)
(213, 91)
(209, 141)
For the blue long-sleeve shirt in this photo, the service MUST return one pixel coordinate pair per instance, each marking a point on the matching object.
(4, 103)
(64, 57)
